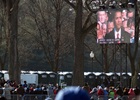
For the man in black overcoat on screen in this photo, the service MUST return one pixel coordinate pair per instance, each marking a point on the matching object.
(118, 34)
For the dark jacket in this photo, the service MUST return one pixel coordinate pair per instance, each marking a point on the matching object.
(125, 36)
(20, 90)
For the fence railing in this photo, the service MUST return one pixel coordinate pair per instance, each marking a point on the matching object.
(93, 97)
(106, 97)
(34, 97)
(29, 97)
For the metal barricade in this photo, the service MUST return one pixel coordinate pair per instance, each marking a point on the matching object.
(16, 97)
(34, 97)
(106, 97)
(93, 97)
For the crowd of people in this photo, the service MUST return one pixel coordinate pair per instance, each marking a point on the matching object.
(9, 88)
(114, 93)
(55, 92)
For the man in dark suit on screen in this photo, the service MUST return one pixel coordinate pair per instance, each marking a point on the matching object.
(118, 34)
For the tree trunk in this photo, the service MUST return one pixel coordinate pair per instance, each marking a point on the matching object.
(105, 63)
(134, 79)
(1, 62)
(133, 69)
(78, 68)
(12, 31)
(57, 42)
(133, 50)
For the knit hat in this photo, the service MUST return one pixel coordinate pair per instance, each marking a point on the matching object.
(72, 93)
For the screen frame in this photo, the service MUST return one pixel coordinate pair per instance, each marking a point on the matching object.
(109, 18)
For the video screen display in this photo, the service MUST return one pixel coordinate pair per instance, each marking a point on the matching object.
(116, 26)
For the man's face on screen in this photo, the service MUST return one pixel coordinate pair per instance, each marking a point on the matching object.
(102, 16)
(118, 20)
(130, 14)
(110, 26)
(124, 13)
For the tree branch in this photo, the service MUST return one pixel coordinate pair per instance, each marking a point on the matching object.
(87, 20)
(71, 4)
(88, 29)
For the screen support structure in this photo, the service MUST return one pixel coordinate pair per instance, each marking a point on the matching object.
(118, 63)
(121, 62)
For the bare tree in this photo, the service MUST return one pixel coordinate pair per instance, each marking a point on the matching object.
(133, 50)
(48, 29)
(82, 28)
(3, 46)
(11, 25)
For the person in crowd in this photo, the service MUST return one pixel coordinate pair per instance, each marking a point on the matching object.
(93, 94)
(118, 34)
(100, 93)
(119, 92)
(104, 29)
(125, 93)
(102, 17)
(72, 93)
(57, 89)
(7, 91)
(129, 24)
(25, 84)
(101, 25)
(125, 20)
(132, 32)
(130, 29)
(27, 90)
(130, 17)
(13, 83)
(20, 90)
(44, 90)
(2, 82)
(38, 90)
(111, 93)
(110, 26)
(125, 25)
(105, 93)
(131, 94)
(137, 91)
(124, 15)
(50, 91)
(31, 89)
(86, 87)
(99, 32)
(1, 90)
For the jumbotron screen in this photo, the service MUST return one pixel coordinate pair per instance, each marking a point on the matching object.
(116, 26)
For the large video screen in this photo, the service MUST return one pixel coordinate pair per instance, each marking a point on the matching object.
(116, 26)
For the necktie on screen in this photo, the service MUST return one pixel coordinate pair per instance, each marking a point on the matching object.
(118, 38)
(117, 35)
